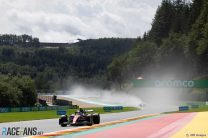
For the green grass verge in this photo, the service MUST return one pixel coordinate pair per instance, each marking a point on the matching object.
(24, 116)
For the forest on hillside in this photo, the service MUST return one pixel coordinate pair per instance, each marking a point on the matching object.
(176, 47)
(50, 69)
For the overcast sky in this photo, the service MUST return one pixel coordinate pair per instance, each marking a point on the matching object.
(67, 20)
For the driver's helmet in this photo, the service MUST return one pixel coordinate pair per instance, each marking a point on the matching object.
(80, 111)
(63, 116)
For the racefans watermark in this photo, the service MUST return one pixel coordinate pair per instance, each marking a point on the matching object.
(174, 83)
(20, 131)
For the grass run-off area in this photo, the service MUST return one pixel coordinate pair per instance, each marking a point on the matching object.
(200, 109)
(38, 115)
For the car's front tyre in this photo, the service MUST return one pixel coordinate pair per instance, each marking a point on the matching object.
(63, 121)
(96, 119)
(63, 125)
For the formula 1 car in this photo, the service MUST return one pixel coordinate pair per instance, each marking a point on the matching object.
(81, 117)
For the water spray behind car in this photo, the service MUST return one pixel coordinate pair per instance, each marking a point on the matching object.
(107, 97)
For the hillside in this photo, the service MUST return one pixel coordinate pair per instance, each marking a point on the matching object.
(176, 47)
(86, 61)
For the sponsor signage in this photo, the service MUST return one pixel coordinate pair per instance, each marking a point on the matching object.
(61, 112)
(183, 108)
(4, 110)
(110, 108)
(171, 83)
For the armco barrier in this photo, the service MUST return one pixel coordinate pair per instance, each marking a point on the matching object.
(41, 108)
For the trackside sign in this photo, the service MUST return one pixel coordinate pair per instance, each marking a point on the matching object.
(174, 83)
(171, 83)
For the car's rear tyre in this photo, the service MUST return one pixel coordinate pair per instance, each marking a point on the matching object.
(90, 120)
(96, 119)
(63, 121)
(89, 124)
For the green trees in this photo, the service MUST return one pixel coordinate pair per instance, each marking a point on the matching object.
(116, 71)
(177, 44)
(21, 40)
(195, 10)
(133, 63)
(171, 16)
(27, 86)
(198, 40)
(180, 19)
(162, 22)
(50, 67)
(17, 91)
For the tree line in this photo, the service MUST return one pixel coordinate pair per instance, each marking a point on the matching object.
(17, 91)
(85, 61)
(175, 46)
(19, 40)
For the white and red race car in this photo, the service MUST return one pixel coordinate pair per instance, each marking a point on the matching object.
(81, 117)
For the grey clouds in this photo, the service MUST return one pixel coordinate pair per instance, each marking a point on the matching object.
(67, 20)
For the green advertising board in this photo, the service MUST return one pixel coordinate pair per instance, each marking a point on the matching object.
(171, 83)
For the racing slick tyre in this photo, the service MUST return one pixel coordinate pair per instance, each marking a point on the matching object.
(63, 121)
(90, 120)
(96, 119)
